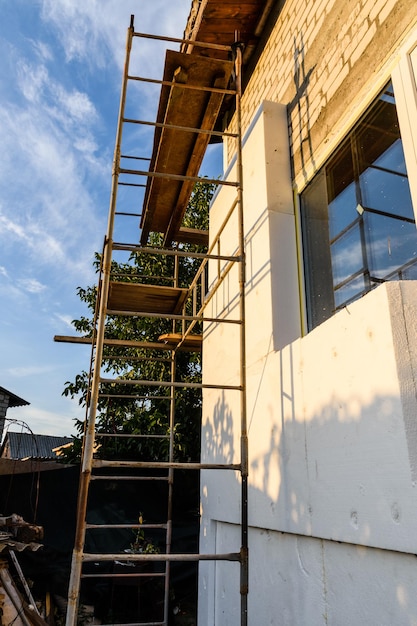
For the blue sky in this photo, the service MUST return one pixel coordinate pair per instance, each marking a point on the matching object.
(60, 79)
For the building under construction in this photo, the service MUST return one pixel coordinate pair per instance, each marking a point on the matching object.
(303, 304)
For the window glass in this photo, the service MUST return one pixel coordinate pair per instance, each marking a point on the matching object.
(349, 291)
(357, 215)
(390, 244)
(342, 211)
(346, 253)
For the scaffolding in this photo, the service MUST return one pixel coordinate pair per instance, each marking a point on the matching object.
(192, 93)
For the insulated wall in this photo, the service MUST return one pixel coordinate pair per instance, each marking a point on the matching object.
(331, 414)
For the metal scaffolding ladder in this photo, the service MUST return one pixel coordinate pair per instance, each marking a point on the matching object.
(184, 306)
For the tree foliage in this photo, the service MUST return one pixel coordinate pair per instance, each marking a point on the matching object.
(150, 416)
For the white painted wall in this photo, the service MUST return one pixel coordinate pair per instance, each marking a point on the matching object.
(332, 430)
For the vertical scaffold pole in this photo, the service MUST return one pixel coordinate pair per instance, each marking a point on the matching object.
(244, 557)
(88, 448)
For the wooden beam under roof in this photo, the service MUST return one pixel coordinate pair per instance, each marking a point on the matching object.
(218, 21)
(177, 151)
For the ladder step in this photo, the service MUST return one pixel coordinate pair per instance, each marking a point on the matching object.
(231, 556)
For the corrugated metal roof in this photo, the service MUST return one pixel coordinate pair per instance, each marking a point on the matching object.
(28, 445)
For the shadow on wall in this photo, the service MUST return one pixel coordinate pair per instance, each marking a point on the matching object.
(217, 436)
(299, 108)
(342, 474)
(320, 486)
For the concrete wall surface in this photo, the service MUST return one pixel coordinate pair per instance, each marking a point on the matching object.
(300, 581)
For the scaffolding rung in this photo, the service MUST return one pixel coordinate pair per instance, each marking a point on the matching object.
(158, 383)
(172, 316)
(195, 179)
(187, 129)
(131, 247)
(188, 42)
(139, 478)
(132, 436)
(128, 214)
(149, 359)
(135, 158)
(98, 463)
(133, 396)
(137, 575)
(230, 556)
(122, 184)
(137, 624)
(135, 525)
(170, 83)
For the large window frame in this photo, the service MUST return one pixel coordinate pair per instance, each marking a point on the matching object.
(357, 220)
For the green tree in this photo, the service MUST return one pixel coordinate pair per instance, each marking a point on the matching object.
(145, 416)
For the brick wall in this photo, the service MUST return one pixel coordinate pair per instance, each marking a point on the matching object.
(321, 58)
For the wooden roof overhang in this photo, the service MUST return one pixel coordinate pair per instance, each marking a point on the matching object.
(179, 145)
(222, 21)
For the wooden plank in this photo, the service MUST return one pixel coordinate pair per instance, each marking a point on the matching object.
(192, 235)
(175, 151)
(191, 342)
(200, 144)
(118, 343)
(145, 298)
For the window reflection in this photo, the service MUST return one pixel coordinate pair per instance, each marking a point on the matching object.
(359, 207)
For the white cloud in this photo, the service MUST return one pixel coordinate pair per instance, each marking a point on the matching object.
(32, 79)
(45, 422)
(31, 285)
(66, 319)
(41, 50)
(75, 104)
(8, 227)
(66, 105)
(30, 370)
(95, 31)
(51, 209)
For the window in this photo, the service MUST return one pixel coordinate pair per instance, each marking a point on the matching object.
(357, 216)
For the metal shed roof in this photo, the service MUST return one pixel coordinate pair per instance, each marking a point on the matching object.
(28, 445)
